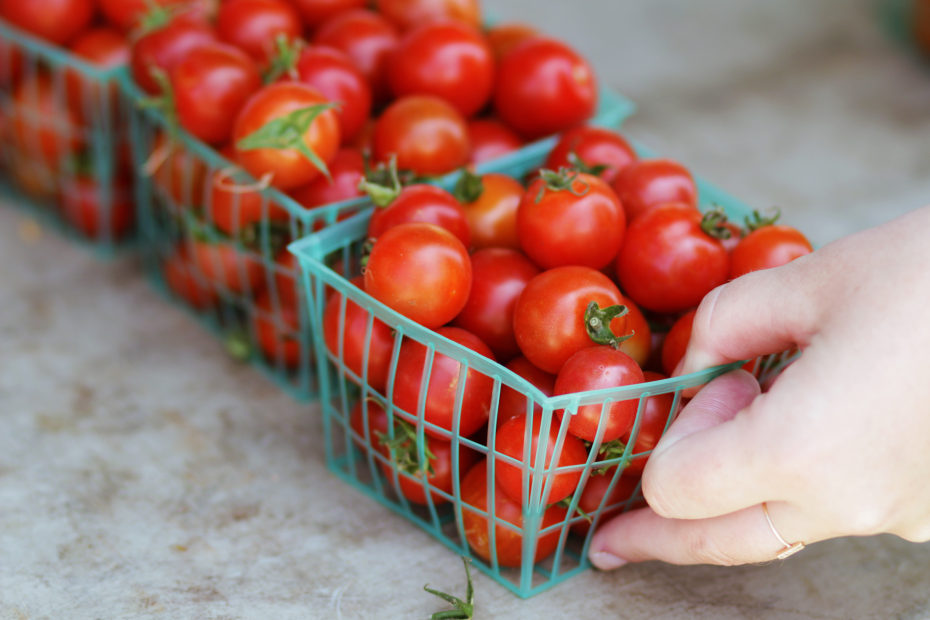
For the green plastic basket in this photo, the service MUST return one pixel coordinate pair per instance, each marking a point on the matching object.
(65, 162)
(353, 456)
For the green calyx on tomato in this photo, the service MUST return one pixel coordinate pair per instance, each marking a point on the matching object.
(567, 504)
(463, 609)
(284, 60)
(582, 166)
(156, 17)
(597, 323)
(163, 103)
(403, 449)
(714, 224)
(757, 220)
(287, 132)
(382, 183)
(610, 451)
(469, 187)
(561, 181)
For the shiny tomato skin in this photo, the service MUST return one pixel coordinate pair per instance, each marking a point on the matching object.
(512, 403)
(368, 424)
(288, 167)
(226, 267)
(450, 60)
(368, 39)
(510, 440)
(211, 85)
(676, 342)
(595, 146)
(492, 217)
(106, 49)
(234, 207)
(347, 170)
(499, 275)
(647, 183)
(44, 128)
(351, 325)
(508, 543)
(592, 497)
(491, 139)
(549, 316)
(162, 49)
(427, 204)
(407, 14)
(254, 25)
(654, 418)
(504, 37)
(178, 173)
(768, 247)
(57, 21)
(427, 135)
(582, 226)
(181, 277)
(441, 477)
(639, 344)
(315, 12)
(543, 87)
(94, 212)
(440, 396)
(277, 331)
(597, 368)
(668, 263)
(411, 264)
(332, 72)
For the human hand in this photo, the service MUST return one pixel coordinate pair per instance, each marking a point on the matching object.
(840, 444)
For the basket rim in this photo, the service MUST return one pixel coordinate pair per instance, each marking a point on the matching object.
(57, 54)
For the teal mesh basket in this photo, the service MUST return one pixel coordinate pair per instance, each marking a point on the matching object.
(352, 403)
(899, 19)
(64, 153)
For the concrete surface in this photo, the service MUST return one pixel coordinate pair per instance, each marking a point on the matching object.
(144, 475)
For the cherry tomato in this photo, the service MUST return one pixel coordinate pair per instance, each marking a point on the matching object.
(439, 474)
(656, 415)
(598, 368)
(332, 72)
(768, 247)
(347, 170)
(504, 37)
(211, 84)
(11, 62)
(639, 344)
(368, 39)
(592, 146)
(427, 135)
(161, 49)
(177, 172)
(367, 420)
(439, 400)
(255, 25)
(492, 216)
(668, 262)
(549, 319)
(490, 139)
(510, 440)
(450, 60)
(499, 275)
(543, 87)
(44, 128)
(411, 264)
(235, 207)
(676, 342)
(592, 497)
(347, 337)
(513, 403)
(278, 332)
(106, 49)
(427, 204)
(289, 167)
(225, 267)
(566, 220)
(97, 213)
(315, 12)
(127, 14)
(284, 278)
(181, 277)
(58, 21)
(408, 14)
(647, 183)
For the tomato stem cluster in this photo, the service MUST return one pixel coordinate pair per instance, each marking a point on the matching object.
(463, 609)
(403, 449)
(597, 323)
(563, 180)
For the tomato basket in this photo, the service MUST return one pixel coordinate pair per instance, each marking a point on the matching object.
(352, 404)
(900, 21)
(64, 153)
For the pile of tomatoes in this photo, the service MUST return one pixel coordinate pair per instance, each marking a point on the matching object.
(585, 278)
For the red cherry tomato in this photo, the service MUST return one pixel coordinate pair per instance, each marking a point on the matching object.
(668, 262)
(450, 60)
(332, 73)
(508, 542)
(163, 48)
(407, 14)
(768, 247)
(58, 21)
(277, 331)
(11, 62)
(439, 474)
(177, 172)
(44, 128)
(492, 216)
(598, 368)
(427, 135)
(284, 278)
(289, 167)
(592, 497)
(439, 399)
(510, 440)
(499, 275)
(582, 224)
(255, 25)
(211, 85)
(504, 37)
(549, 319)
(656, 415)
(513, 403)
(234, 207)
(592, 146)
(346, 333)
(427, 204)
(368, 420)
(127, 14)
(639, 344)
(368, 39)
(411, 263)
(490, 139)
(97, 213)
(106, 49)
(225, 267)
(543, 87)
(182, 278)
(647, 183)
(676, 342)
(347, 170)
(315, 12)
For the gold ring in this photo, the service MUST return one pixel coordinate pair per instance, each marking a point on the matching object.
(788, 549)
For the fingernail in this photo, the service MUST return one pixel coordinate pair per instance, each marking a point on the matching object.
(604, 560)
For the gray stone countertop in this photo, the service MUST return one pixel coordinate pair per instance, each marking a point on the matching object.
(145, 475)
